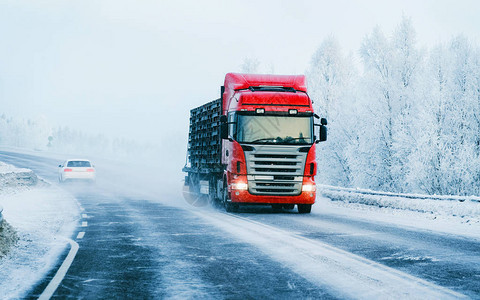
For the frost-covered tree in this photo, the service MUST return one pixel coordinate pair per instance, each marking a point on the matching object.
(462, 119)
(375, 166)
(412, 118)
(388, 108)
(38, 134)
(330, 77)
(24, 133)
(429, 159)
(250, 65)
(407, 68)
(445, 159)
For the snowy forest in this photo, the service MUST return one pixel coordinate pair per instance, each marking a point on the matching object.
(38, 134)
(401, 118)
(404, 118)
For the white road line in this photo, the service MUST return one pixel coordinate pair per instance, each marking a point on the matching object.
(81, 235)
(62, 271)
(84, 224)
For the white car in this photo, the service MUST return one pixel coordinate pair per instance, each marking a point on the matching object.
(76, 169)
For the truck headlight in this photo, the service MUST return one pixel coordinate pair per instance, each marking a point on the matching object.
(239, 186)
(308, 188)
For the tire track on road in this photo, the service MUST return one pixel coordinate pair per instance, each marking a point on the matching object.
(342, 272)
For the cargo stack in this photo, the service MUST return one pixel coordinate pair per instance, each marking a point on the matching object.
(204, 143)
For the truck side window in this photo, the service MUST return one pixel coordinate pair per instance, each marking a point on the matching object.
(231, 125)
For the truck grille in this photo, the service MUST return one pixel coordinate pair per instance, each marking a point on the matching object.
(275, 170)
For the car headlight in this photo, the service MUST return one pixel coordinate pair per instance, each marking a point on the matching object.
(308, 188)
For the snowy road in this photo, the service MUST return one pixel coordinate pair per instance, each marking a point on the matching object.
(138, 246)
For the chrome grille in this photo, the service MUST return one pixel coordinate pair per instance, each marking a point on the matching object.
(275, 170)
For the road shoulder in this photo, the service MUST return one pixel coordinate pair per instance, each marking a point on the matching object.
(43, 217)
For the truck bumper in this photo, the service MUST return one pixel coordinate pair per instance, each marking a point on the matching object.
(244, 196)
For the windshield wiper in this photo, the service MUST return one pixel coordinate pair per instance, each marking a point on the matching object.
(302, 140)
(277, 140)
(272, 89)
(263, 140)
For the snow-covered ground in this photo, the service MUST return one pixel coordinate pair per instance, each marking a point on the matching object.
(43, 217)
(449, 214)
(344, 274)
(11, 178)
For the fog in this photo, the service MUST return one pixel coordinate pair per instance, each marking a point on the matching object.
(134, 69)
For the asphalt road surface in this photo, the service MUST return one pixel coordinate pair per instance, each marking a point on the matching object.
(145, 248)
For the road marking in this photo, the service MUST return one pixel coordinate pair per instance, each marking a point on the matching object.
(84, 224)
(81, 235)
(62, 271)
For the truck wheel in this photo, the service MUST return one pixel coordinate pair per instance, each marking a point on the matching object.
(304, 208)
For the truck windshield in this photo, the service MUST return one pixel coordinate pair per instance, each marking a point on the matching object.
(274, 130)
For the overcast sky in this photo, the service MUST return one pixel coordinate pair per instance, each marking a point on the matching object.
(135, 68)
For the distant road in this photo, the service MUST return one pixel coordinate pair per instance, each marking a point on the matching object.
(133, 247)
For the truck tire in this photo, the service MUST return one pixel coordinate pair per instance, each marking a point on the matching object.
(304, 208)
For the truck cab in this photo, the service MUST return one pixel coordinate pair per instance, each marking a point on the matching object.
(268, 142)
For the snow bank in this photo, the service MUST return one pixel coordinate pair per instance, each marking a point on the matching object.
(465, 207)
(13, 177)
(8, 238)
(43, 217)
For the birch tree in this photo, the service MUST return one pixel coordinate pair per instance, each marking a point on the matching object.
(329, 78)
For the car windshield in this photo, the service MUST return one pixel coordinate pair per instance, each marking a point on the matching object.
(274, 129)
(78, 164)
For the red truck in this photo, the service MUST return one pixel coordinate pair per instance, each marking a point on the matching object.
(255, 144)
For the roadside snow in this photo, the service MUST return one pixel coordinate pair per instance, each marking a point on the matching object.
(342, 273)
(12, 177)
(44, 217)
(6, 168)
(8, 238)
(448, 214)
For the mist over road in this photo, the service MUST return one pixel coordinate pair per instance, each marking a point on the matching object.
(141, 245)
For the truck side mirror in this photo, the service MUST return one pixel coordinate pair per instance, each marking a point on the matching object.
(223, 127)
(323, 132)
